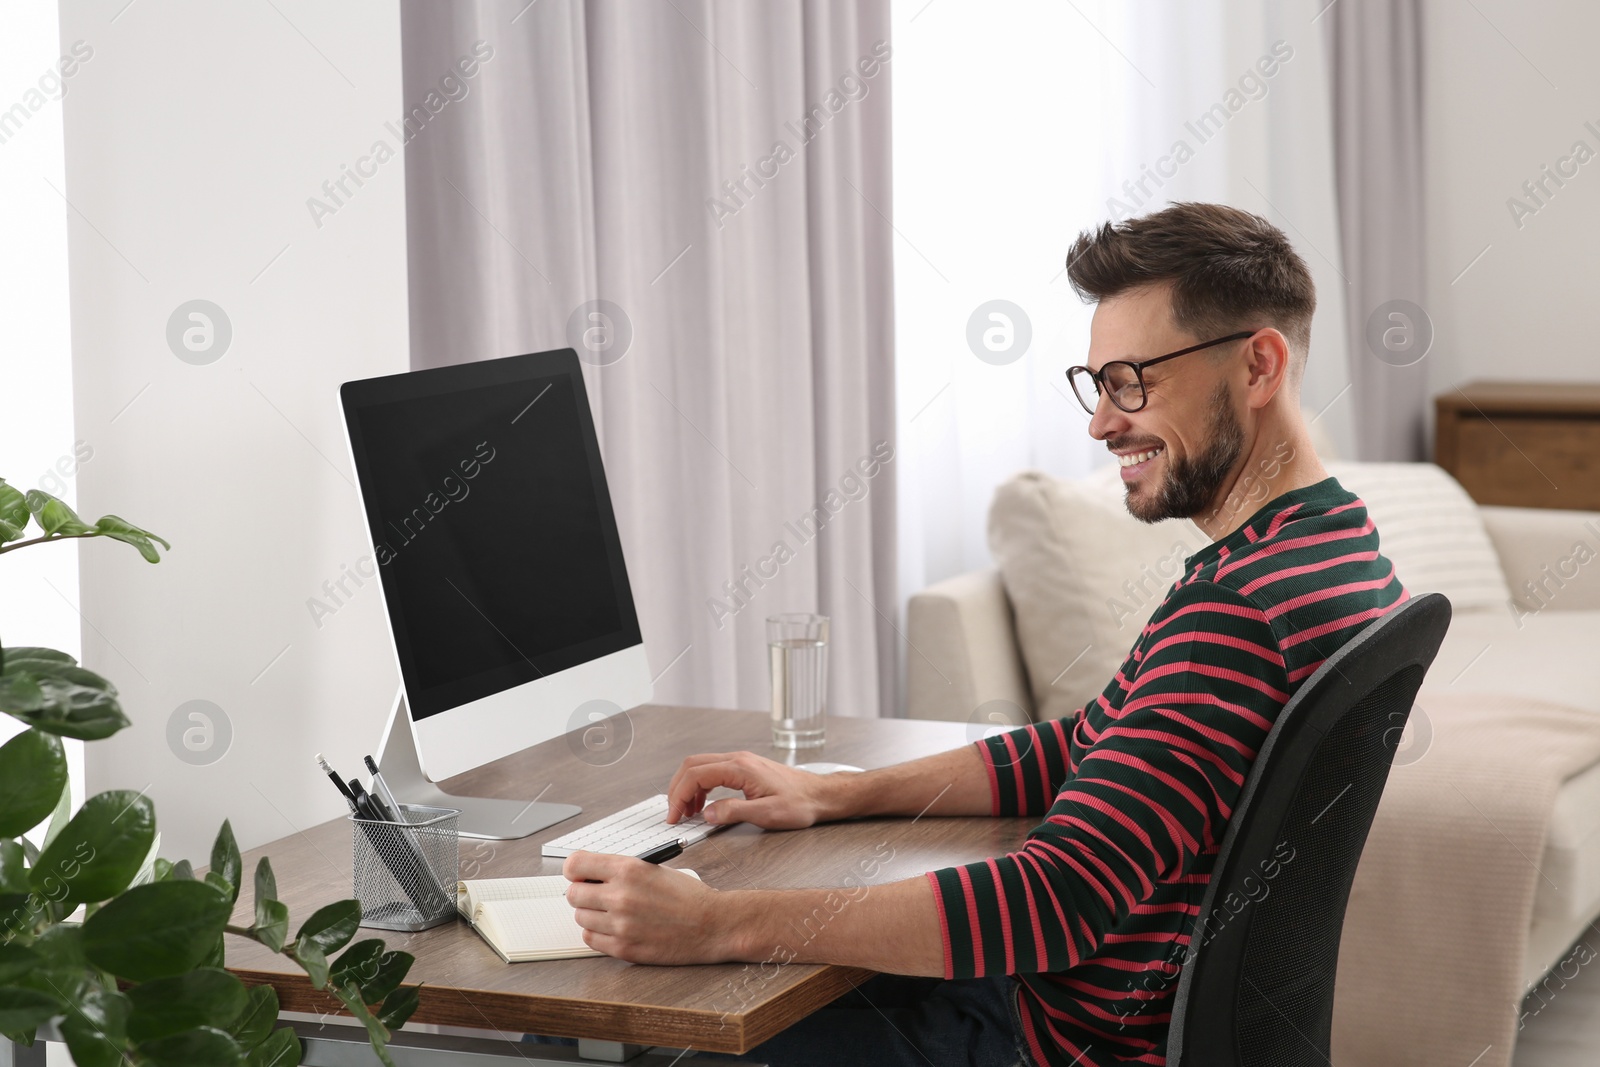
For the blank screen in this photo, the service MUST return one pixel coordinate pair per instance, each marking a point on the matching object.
(495, 541)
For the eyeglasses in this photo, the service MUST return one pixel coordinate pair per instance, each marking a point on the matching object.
(1123, 380)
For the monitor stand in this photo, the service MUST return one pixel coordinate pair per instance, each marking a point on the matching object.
(481, 817)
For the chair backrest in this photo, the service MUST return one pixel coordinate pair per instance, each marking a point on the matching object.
(1257, 981)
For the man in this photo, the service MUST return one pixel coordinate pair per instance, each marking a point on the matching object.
(1067, 951)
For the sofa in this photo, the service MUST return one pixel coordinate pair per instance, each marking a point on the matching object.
(1041, 632)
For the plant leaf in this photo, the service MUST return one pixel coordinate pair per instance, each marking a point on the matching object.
(125, 531)
(33, 773)
(266, 881)
(225, 860)
(13, 870)
(53, 515)
(314, 961)
(100, 850)
(331, 926)
(183, 871)
(392, 970)
(260, 1014)
(25, 1009)
(202, 1047)
(20, 694)
(358, 964)
(399, 1006)
(10, 532)
(207, 996)
(96, 1030)
(377, 1033)
(13, 505)
(75, 702)
(155, 930)
(16, 961)
(60, 817)
(280, 1049)
(272, 923)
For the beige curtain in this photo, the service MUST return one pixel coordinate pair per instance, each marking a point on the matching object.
(1375, 53)
(695, 195)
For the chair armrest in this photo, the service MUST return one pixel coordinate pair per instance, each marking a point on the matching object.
(1557, 551)
(963, 649)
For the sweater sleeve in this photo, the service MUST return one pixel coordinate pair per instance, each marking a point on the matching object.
(1154, 791)
(1027, 766)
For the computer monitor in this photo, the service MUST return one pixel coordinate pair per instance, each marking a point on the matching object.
(500, 569)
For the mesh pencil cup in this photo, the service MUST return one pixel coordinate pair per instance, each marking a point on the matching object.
(404, 874)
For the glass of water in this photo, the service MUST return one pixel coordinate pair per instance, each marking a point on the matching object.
(797, 649)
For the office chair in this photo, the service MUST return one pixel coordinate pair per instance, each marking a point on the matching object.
(1257, 983)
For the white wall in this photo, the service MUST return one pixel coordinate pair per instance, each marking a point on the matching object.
(38, 586)
(194, 138)
(1508, 89)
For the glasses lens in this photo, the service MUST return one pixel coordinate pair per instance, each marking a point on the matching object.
(1122, 382)
(1084, 385)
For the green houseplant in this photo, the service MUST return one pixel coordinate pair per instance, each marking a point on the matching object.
(140, 980)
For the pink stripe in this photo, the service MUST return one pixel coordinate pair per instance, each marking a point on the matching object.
(1040, 960)
(1005, 916)
(1288, 544)
(1212, 637)
(1307, 568)
(1181, 667)
(944, 927)
(1093, 882)
(972, 922)
(1061, 916)
(1221, 607)
(1328, 593)
(1330, 627)
(1200, 698)
(1145, 885)
(1278, 520)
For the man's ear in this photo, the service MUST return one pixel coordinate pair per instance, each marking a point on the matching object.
(1267, 361)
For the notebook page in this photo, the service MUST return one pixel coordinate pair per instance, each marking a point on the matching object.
(538, 928)
(483, 890)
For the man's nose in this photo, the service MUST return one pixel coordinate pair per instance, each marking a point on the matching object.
(1108, 419)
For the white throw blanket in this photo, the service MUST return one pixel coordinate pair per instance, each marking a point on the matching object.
(1430, 967)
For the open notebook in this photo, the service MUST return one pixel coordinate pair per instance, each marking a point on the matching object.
(525, 919)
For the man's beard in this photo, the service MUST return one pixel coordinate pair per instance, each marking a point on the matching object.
(1191, 485)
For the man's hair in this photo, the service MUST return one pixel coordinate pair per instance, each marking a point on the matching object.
(1229, 270)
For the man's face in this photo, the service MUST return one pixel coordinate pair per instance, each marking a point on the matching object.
(1189, 421)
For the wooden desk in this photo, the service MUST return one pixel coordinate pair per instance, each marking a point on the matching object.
(1525, 444)
(724, 1008)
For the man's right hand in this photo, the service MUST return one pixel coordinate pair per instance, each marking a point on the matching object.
(776, 796)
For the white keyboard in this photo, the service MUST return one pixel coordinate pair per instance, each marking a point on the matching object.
(630, 832)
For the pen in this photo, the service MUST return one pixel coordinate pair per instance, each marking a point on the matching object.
(349, 797)
(381, 791)
(662, 853)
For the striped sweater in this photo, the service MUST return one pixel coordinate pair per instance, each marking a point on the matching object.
(1094, 912)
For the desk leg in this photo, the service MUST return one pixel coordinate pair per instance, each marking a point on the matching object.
(607, 1051)
(21, 1055)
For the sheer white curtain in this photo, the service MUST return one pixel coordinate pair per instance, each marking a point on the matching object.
(1015, 127)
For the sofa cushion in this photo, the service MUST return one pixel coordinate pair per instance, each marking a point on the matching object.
(1430, 528)
(1083, 576)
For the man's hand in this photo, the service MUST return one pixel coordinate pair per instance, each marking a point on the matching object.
(776, 797)
(642, 913)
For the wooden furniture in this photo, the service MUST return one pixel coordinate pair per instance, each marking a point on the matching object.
(724, 1008)
(1523, 444)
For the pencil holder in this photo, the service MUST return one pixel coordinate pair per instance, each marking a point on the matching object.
(404, 874)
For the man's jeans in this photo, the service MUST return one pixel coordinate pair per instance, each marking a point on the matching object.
(896, 1021)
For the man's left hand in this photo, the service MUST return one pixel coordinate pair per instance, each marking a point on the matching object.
(643, 913)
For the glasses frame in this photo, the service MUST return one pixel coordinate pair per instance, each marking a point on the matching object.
(1138, 366)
